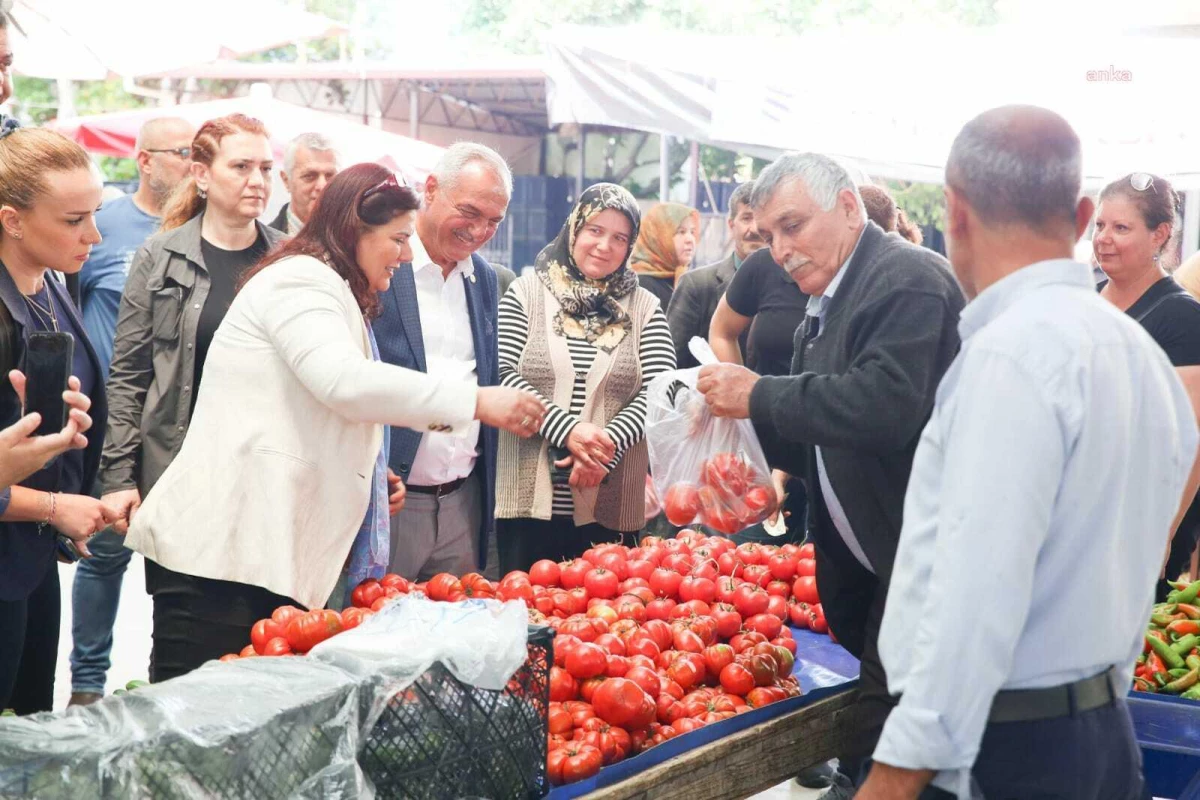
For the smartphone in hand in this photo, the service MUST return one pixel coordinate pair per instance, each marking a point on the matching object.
(48, 358)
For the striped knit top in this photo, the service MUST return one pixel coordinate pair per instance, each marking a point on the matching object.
(656, 353)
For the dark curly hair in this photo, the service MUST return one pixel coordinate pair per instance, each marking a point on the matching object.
(340, 218)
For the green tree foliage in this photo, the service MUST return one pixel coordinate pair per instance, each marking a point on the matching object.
(517, 26)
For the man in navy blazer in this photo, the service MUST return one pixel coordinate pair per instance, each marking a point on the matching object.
(439, 317)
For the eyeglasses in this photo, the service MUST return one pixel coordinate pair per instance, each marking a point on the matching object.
(183, 152)
(1141, 181)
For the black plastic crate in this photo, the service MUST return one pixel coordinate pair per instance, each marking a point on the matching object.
(441, 738)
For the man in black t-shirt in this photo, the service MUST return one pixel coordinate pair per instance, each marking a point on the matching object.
(696, 297)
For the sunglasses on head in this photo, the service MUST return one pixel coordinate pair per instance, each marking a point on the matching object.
(390, 182)
(1141, 181)
(183, 152)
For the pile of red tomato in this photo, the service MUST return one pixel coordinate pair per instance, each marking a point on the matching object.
(652, 641)
(728, 495)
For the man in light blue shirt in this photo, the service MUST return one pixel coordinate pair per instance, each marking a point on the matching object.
(164, 160)
(1044, 486)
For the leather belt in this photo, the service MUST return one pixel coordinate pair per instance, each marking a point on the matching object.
(1026, 705)
(441, 490)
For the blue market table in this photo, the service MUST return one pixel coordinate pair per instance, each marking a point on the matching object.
(752, 751)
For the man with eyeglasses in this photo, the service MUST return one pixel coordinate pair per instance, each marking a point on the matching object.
(164, 159)
(439, 317)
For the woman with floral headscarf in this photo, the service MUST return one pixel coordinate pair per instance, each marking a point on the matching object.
(664, 248)
(583, 335)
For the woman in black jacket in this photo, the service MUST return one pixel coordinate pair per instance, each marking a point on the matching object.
(49, 193)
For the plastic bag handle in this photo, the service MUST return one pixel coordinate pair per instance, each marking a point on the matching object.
(702, 351)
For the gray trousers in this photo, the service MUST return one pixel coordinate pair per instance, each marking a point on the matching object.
(437, 534)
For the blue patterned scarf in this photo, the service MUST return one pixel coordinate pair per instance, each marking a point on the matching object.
(371, 549)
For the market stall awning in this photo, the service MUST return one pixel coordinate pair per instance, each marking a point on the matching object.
(114, 134)
(93, 40)
(893, 101)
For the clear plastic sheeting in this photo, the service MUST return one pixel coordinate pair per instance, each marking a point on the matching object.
(259, 727)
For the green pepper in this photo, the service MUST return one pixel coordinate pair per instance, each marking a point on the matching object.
(1183, 682)
(1185, 644)
(1159, 678)
(1187, 595)
(8, 712)
(1163, 620)
(1177, 673)
(1192, 662)
(1189, 610)
(135, 684)
(1164, 651)
(1192, 693)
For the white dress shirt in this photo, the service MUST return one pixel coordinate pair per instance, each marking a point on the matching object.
(817, 306)
(1043, 488)
(449, 353)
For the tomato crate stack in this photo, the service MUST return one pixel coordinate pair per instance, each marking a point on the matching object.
(444, 738)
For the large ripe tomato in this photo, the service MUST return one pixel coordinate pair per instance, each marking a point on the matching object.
(446, 588)
(665, 582)
(586, 660)
(728, 564)
(601, 582)
(620, 701)
(761, 696)
(277, 647)
(366, 593)
(758, 574)
(599, 611)
(574, 762)
(614, 561)
(562, 686)
(588, 688)
(633, 609)
(750, 553)
(744, 641)
(786, 643)
(353, 617)
(808, 550)
(640, 568)
(688, 670)
(688, 641)
(312, 628)
(750, 599)
(760, 501)
(612, 742)
(285, 614)
(785, 659)
(558, 720)
(682, 503)
(623, 628)
(697, 588)
(642, 644)
(722, 520)
(692, 608)
(777, 606)
(716, 658)
(571, 573)
(659, 631)
(580, 711)
(397, 582)
(781, 589)
(264, 631)
(816, 619)
(616, 667)
(737, 679)
(647, 679)
(762, 667)
(806, 566)
(679, 562)
(522, 589)
(612, 644)
(798, 612)
(728, 620)
(660, 608)
(580, 626)
(805, 590)
(544, 573)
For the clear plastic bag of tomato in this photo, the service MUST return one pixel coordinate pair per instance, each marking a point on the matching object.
(708, 470)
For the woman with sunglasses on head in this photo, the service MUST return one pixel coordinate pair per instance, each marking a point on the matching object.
(1133, 243)
(282, 479)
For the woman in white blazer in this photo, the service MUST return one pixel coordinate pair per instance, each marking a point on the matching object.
(282, 479)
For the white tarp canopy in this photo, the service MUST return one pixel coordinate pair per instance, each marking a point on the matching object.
(892, 101)
(95, 40)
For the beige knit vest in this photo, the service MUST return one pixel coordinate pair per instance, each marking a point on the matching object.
(523, 488)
